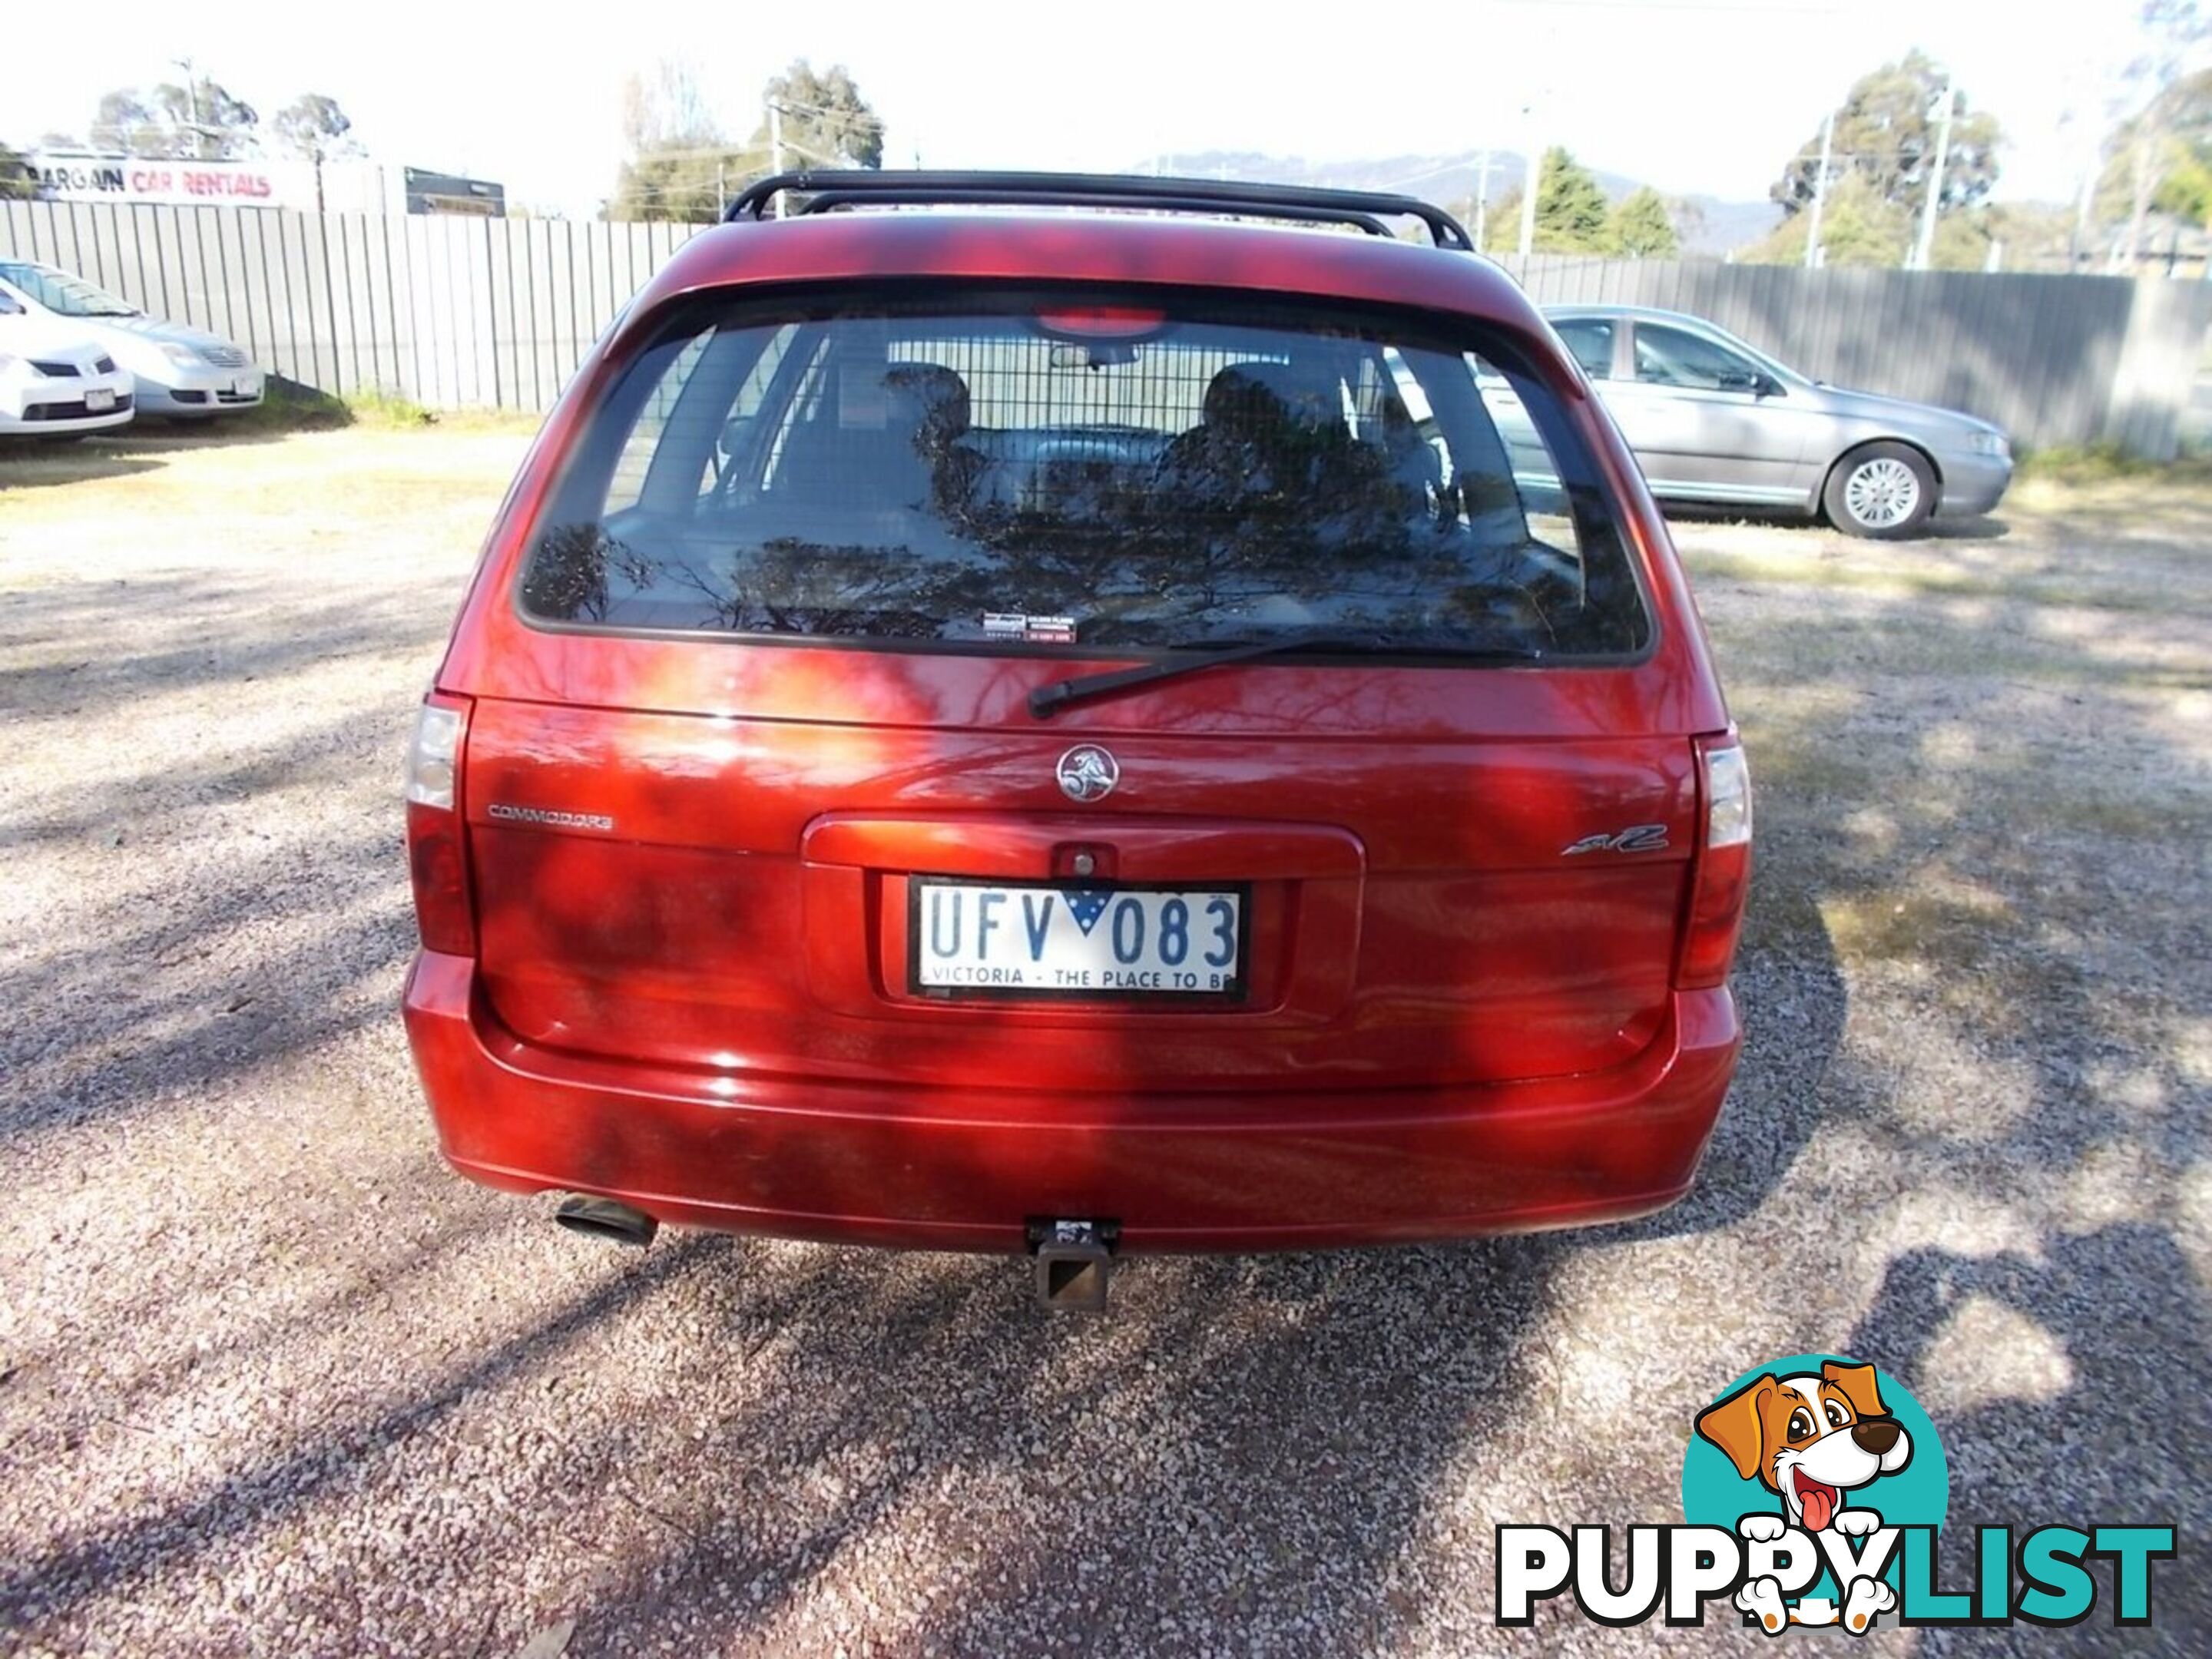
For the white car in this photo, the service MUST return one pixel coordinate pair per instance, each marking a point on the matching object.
(54, 381)
(183, 373)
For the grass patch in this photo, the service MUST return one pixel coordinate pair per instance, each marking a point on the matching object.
(2107, 462)
(1901, 925)
(1810, 770)
(389, 409)
(1852, 651)
(290, 406)
(1893, 583)
(2122, 819)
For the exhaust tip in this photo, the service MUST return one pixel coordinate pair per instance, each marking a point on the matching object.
(605, 1218)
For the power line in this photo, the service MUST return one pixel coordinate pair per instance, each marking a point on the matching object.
(1761, 7)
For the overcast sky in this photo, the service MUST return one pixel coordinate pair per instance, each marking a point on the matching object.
(1694, 96)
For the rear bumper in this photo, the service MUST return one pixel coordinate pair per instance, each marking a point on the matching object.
(963, 1170)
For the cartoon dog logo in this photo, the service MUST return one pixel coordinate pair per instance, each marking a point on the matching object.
(1811, 1439)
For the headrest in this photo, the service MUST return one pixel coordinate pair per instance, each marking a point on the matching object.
(1245, 394)
(929, 397)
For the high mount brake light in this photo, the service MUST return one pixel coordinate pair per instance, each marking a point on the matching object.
(1101, 322)
(437, 838)
(1721, 878)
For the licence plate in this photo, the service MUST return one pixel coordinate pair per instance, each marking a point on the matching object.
(1014, 939)
(246, 385)
(97, 401)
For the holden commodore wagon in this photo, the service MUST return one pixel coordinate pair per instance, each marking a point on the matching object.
(999, 730)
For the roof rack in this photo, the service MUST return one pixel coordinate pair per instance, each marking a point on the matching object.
(827, 191)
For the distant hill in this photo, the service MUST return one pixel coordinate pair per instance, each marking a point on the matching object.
(1711, 227)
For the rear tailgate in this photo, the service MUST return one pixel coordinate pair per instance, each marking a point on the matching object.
(1415, 912)
(752, 660)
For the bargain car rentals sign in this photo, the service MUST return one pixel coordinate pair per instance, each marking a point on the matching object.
(64, 178)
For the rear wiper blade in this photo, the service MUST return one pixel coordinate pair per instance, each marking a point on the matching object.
(1048, 700)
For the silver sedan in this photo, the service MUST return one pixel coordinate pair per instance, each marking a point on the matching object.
(183, 373)
(1716, 422)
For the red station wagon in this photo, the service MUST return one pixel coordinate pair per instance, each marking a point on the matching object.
(1040, 729)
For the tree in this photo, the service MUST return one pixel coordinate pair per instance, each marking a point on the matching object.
(2172, 127)
(682, 165)
(16, 184)
(201, 122)
(826, 121)
(1570, 207)
(1885, 137)
(666, 109)
(314, 128)
(2186, 191)
(1857, 227)
(126, 122)
(1641, 228)
(211, 125)
(1689, 221)
(1571, 211)
(1502, 221)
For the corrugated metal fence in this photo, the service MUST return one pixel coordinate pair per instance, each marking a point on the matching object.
(458, 313)
(2052, 359)
(454, 313)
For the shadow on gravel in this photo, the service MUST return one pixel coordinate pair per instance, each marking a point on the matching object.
(1983, 528)
(144, 443)
(97, 1560)
(2126, 1317)
(2030, 892)
(1275, 1444)
(1223, 1453)
(25, 462)
(230, 970)
(57, 636)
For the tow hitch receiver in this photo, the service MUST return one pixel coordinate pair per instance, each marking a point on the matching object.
(1074, 1261)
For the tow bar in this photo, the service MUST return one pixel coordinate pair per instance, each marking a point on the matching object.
(1074, 1263)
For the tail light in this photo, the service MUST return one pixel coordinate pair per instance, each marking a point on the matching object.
(1721, 878)
(437, 845)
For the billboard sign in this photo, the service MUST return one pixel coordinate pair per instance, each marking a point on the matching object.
(63, 176)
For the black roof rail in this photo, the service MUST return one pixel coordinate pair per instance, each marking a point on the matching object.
(828, 191)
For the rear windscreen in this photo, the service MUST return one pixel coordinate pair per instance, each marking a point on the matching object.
(1063, 473)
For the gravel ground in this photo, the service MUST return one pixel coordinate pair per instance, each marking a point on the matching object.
(273, 1380)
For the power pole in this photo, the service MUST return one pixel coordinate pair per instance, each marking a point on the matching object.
(776, 148)
(1920, 255)
(1819, 193)
(1482, 203)
(192, 103)
(2077, 245)
(1532, 178)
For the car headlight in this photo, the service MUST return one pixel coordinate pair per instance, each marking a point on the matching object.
(182, 356)
(1992, 443)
